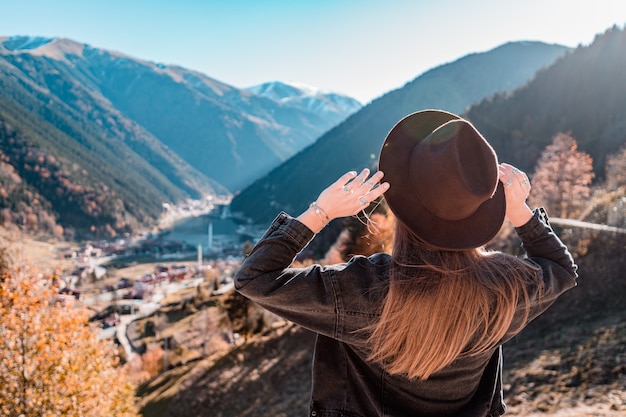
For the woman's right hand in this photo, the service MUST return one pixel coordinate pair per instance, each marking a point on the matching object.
(347, 196)
(516, 190)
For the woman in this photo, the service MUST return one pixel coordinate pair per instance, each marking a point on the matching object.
(417, 332)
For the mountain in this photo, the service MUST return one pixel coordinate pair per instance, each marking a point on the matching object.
(232, 136)
(69, 157)
(355, 143)
(583, 94)
(301, 96)
(127, 135)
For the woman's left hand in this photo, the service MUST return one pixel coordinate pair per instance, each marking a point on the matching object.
(516, 190)
(347, 196)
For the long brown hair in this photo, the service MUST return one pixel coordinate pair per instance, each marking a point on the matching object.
(444, 304)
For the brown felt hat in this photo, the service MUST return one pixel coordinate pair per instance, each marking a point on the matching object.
(443, 178)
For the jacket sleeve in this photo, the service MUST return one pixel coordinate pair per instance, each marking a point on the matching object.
(545, 250)
(303, 295)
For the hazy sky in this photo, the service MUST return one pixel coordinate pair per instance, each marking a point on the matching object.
(363, 48)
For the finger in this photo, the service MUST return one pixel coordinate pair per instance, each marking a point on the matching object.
(362, 177)
(519, 176)
(376, 192)
(508, 175)
(524, 180)
(357, 181)
(371, 195)
(375, 179)
(512, 169)
(507, 169)
(370, 183)
(505, 176)
(344, 179)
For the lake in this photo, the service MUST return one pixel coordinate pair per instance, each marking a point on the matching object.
(195, 230)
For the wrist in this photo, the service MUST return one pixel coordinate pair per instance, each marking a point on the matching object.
(320, 212)
(315, 218)
(520, 216)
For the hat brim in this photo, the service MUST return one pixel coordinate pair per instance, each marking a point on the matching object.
(471, 232)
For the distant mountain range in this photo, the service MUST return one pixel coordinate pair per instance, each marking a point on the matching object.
(230, 135)
(355, 143)
(141, 133)
(93, 142)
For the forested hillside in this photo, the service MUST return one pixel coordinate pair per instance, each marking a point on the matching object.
(583, 94)
(53, 183)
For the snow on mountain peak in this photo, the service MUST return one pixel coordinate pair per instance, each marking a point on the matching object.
(306, 89)
(55, 48)
(25, 43)
(306, 97)
(278, 90)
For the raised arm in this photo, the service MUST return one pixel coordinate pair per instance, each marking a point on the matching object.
(304, 295)
(540, 242)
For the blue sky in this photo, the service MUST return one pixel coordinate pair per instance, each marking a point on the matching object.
(363, 48)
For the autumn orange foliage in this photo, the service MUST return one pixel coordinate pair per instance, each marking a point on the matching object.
(51, 361)
(562, 178)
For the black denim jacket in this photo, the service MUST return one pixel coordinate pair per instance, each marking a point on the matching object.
(339, 301)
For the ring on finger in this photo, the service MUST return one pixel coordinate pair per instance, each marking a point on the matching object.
(507, 183)
(525, 181)
(362, 201)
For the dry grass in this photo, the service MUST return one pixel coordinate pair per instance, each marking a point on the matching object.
(40, 253)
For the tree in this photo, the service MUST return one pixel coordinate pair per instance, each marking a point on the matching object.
(51, 362)
(562, 177)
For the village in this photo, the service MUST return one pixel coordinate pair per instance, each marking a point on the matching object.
(123, 280)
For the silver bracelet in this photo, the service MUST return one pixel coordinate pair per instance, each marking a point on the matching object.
(320, 212)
